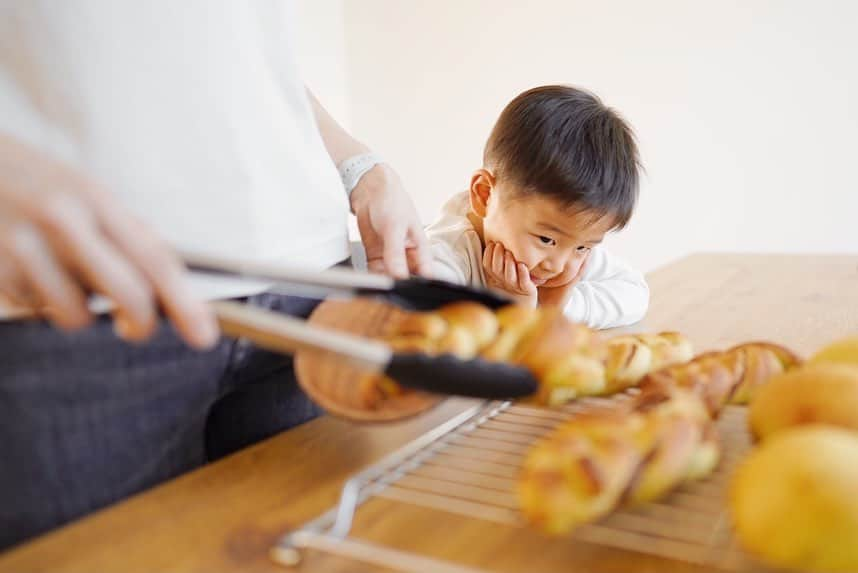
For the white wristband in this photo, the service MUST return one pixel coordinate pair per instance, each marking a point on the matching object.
(353, 168)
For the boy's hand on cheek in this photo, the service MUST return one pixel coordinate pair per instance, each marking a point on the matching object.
(503, 273)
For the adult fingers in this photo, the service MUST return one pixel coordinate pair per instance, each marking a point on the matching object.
(14, 290)
(164, 271)
(71, 226)
(109, 272)
(372, 244)
(40, 280)
(418, 253)
(393, 244)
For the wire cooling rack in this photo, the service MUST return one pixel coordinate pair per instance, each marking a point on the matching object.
(469, 466)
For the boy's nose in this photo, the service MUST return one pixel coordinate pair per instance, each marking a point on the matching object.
(554, 267)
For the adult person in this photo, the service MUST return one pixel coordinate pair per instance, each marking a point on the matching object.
(126, 129)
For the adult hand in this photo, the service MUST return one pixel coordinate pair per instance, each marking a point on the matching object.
(392, 236)
(62, 237)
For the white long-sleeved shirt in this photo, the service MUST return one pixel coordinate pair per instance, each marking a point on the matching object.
(610, 293)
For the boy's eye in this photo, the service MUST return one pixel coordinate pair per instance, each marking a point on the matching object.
(546, 240)
(583, 249)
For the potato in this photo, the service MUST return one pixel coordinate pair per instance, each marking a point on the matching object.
(813, 394)
(794, 500)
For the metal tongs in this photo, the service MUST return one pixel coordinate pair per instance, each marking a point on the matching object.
(414, 293)
(443, 374)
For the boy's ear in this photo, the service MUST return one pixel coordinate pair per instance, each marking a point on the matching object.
(482, 185)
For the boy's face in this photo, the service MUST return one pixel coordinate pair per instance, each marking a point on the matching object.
(552, 240)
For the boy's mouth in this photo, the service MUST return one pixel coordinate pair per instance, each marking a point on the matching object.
(536, 280)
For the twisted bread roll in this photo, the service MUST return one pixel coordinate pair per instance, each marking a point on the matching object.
(460, 329)
(731, 376)
(566, 358)
(594, 463)
(632, 357)
(646, 446)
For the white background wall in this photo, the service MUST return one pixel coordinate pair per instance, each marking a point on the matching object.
(746, 110)
(322, 46)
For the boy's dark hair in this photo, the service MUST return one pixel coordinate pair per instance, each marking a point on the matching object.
(563, 142)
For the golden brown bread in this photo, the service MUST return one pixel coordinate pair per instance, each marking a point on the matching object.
(732, 376)
(566, 358)
(680, 440)
(841, 351)
(569, 360)
(461, 329)
(794, 500)
(580, 473)
(817, 393)
(631, 357)
(666, 433)
(594, 463)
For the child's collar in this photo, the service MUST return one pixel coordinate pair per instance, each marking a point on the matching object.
(477, 222)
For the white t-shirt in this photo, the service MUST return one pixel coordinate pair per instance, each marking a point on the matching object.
(611, 293)
(192, 112)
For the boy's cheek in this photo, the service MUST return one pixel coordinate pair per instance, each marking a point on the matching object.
(571, 269)
(521, 255)
(530, 260)
(491, 237)
(575, 267)
(568, 274)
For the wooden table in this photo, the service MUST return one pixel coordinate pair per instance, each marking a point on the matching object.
(226, 516)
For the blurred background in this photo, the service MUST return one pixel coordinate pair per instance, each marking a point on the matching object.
(745, 111)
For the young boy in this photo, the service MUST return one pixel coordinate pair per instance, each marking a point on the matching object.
(560, 170)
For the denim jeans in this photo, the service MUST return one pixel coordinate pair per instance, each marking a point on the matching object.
(87, 419)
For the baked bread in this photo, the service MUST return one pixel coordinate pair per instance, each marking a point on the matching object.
(665, 433)
(595, 463)
(631, 357)
(732, 376)
(569, 360)
(842, 351)
(794, 500)
(580, 473)
(820, 393)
